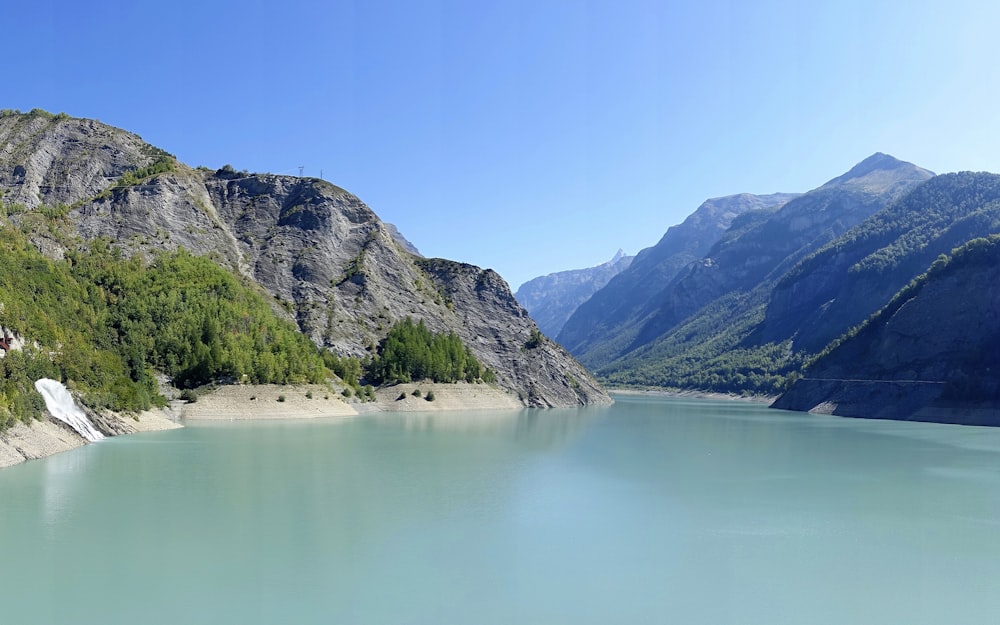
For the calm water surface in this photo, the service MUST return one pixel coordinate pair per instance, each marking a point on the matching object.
(651, 511)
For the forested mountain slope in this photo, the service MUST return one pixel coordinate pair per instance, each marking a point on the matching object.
(703, 330)
(930, 354)
(846, 281)
(926, 355)
(107, 325)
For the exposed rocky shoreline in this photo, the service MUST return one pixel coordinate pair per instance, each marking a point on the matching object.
(253, 402)
(256, 402)
(23, 442)
(269, 401)
(758, 399)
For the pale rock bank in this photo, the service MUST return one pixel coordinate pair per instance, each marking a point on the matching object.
(254, 402)
(23, 442)
(446, 397)
(267, 401)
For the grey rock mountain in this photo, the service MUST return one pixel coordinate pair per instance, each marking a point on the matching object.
(327, 260)
(551, 299)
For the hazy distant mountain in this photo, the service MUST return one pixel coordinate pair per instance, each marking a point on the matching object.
(613, 314)
(929, 355)
(551, 299)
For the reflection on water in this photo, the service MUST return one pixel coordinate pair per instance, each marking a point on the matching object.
(61, 483)
(532, 428)
(651, 511)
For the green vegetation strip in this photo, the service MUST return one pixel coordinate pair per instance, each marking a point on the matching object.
(412, 352)
(103, 323)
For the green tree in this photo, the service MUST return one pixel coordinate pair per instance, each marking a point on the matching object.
(411, 352)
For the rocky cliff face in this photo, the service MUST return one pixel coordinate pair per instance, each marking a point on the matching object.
(492, 317)
(324, 256)
(51, 159)
(553, 298)
(930, 355)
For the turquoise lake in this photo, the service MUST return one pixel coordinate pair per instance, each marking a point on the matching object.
(653, 510)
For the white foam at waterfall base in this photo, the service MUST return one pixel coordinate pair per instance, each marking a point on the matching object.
(60, 403)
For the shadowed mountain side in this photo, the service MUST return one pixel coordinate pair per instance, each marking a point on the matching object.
(846, 281)
(929, 355)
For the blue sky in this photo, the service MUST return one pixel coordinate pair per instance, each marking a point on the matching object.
(529, 137)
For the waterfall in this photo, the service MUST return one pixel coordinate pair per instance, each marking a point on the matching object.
(61, 405)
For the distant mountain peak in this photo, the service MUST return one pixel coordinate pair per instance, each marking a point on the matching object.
(620, 254)
(881, 159)
(878, 165)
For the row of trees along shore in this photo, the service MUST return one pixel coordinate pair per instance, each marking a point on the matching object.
(105, 324)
